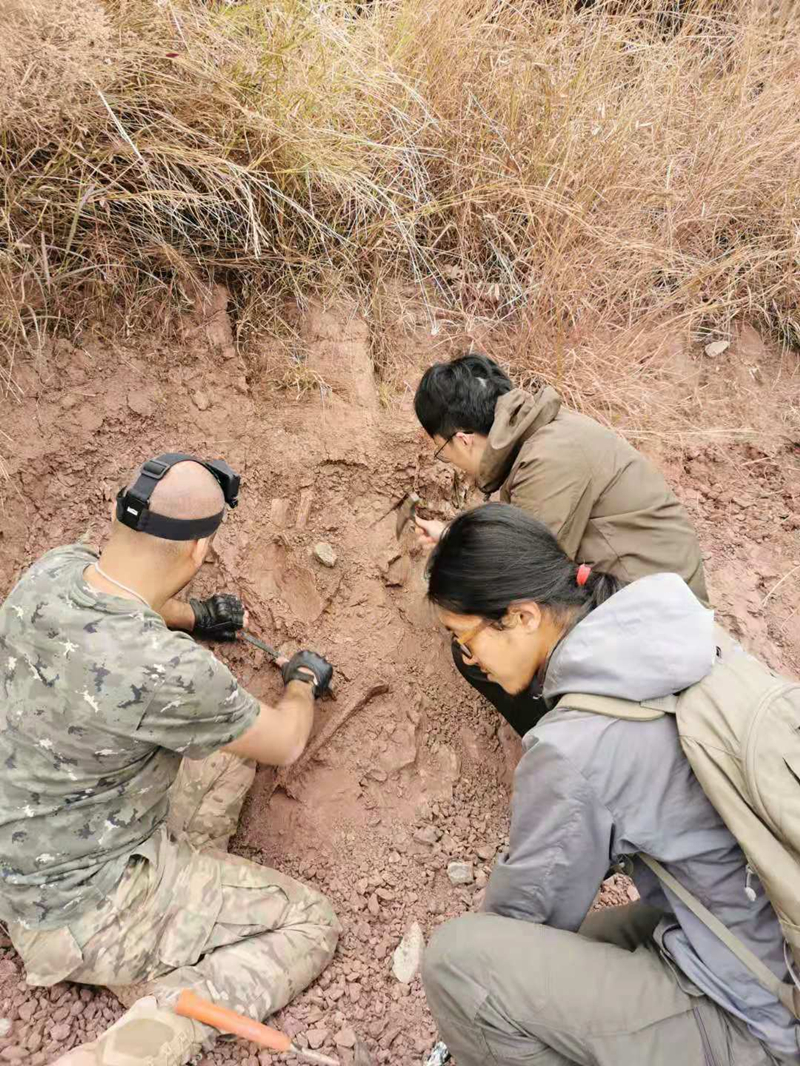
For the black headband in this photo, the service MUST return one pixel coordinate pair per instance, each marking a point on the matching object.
(133, 508)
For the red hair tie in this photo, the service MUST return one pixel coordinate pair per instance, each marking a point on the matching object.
(583, 574)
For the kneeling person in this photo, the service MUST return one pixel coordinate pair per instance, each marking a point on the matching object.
(656, 982)
(605, 502)
(128, 750)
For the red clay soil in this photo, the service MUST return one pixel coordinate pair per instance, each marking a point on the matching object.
(417, 776)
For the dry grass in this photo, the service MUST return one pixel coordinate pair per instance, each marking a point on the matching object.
(608, 166)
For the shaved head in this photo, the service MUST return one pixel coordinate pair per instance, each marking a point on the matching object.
(187, 490)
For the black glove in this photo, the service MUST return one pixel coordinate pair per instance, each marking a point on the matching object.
(218, 617)
(298, 666)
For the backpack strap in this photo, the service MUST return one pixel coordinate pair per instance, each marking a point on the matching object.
(613, 707)
(786, 993)
(648, 711)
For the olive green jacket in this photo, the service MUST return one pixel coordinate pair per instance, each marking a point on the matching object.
(605, 502)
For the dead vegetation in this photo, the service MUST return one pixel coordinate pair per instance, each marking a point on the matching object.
(576, 166)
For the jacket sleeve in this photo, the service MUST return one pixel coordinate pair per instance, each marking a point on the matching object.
(560, 846)
(557, 490)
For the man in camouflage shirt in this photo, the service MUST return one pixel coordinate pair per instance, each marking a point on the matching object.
(126, 751)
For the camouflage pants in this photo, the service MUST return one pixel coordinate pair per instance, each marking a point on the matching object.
(234, 932)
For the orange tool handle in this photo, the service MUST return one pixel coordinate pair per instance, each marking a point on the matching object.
(190, 1005)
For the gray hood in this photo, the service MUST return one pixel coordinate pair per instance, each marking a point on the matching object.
(605, 655)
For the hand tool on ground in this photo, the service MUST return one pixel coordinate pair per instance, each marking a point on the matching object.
(439, 1055)
(279, 660)
(190, 1005)
(274, 657)
(405, 512)
(405, 508)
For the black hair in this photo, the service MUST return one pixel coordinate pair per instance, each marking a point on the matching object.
(460, 396)
(497, 555)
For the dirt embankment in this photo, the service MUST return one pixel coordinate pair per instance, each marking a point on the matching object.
(417, 777)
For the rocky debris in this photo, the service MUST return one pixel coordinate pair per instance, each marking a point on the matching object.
(428, 834)
(325, 554)
(486, 852)
(14, 1054)
(317, 1037)
(345, 1038)
(460, 873)
(407, 957)
(201, 400)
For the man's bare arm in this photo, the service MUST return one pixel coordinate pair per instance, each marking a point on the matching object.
(178, 614)
(279, 735)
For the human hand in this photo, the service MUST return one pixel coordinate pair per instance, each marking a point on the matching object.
(219, 617)
(429, 531)
(310, 668)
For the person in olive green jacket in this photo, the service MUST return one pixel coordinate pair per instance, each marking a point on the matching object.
(607, 504)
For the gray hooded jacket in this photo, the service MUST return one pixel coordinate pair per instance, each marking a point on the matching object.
(592, 790)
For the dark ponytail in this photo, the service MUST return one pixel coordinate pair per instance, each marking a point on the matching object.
(460, 397)
(497, 555)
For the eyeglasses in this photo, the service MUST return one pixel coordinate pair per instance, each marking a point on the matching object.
(438, 452)
(464, 641)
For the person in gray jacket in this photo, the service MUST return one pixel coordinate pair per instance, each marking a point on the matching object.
(535, 977)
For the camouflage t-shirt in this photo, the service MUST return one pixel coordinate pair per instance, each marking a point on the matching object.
(99, 702)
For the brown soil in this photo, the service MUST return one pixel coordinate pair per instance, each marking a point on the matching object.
(418, 776)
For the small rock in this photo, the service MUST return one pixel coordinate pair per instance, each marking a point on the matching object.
(69, 401)
(317, 1037)
(407, 957)
(201, 401)
(481, 879)
(373, 906)
(486, 852)
(5, 1027)
(428, 834)
(13, 1054)
(27, 1011)
(460, 873)
(325, 554)
(60, 1032)
(345, 1038)
(717, 348)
